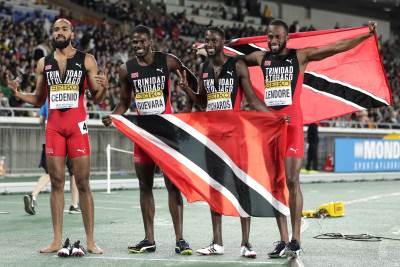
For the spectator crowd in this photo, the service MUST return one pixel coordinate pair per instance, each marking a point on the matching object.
(110, 44)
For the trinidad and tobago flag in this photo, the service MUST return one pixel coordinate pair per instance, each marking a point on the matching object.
(233, 160)
(345, 83)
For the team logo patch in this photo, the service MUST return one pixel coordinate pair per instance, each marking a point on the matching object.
(135, 75)
(49, 150)
(47, 67)
(267, 63)
(205, 75)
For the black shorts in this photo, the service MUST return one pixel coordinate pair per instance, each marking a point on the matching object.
(69, 166)
(43, 162)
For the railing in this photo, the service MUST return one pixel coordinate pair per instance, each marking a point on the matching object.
(357, 124)
(22, 112)
(98, 114)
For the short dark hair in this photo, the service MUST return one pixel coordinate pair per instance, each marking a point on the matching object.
(218, 30)
(66, 20)
(142, 29)
(279, 22)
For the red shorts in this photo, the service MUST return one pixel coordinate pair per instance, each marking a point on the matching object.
(73, 142)
(295, 141)
(140, 156)
(295, 133)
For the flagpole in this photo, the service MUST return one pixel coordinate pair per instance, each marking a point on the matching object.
(108, 149)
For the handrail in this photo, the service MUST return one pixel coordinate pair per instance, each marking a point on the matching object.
(97, 114)
(90, 112)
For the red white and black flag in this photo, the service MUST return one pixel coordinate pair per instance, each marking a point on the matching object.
(232, 160)
(344, 83)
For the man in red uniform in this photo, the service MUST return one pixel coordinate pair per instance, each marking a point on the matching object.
(283, 70)
(222, 82)
(146, 77)
(62, 77)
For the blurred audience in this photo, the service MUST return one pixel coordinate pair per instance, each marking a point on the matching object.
(22, 41)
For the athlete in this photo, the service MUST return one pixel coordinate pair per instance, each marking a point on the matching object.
(30, 200)
(220, 85)
(146, 76)
(62, 77)
(283, 70)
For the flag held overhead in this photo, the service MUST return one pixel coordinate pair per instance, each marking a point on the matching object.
(344, 83)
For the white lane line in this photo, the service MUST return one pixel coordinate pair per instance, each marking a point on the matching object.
(162, 222)
(110, 208)
(396, 232)
(121, 202)
(114, 201)
(183, 260)
(13, 202)
(367, 199)
(304, 225)
(107, 208)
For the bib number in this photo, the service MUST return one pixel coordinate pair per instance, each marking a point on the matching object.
(219, 101)
(83, 127)
(64, 96)
(278, 93)
(150, 103)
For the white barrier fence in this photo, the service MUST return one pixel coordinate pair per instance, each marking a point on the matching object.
(109, 148)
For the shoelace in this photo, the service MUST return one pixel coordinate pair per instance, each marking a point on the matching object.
(183, 243)
(144, 242)
(291, 245)
(77, 245)
(247, 247)
(300, 248)
(66, 243)
(279, 244)
(141, 243)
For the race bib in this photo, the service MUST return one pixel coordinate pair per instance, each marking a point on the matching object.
(219, 101)
(83, 127)
(149, 103)
(278, 93)
(64, 96)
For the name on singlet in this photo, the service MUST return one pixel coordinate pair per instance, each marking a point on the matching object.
(278, 86)
(149, 96)
(64, 94)
(219, 99)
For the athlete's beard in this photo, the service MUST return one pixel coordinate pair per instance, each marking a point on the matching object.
(144, 54)
(277, 52)
(61, 44)
(217, 51)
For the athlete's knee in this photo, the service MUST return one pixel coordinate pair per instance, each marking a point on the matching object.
(176, 197)
(57, 181)
(145, 186)
(292, 182)
(171, 187)
(82, 185)
(57, 186)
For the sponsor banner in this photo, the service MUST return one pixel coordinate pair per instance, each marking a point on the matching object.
(366, 155)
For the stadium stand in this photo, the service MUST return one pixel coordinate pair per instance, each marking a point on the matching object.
(176, 26)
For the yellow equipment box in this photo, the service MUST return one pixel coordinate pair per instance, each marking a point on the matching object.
(331, 209)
